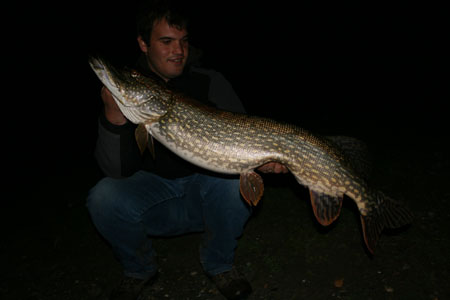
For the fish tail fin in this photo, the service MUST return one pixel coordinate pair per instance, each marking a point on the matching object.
(386, 213)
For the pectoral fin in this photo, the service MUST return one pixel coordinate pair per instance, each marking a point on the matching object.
(326, 208)
(251, 187)
(141, 136)
(144, 140)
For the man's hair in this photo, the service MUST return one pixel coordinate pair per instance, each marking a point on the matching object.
(152, 11)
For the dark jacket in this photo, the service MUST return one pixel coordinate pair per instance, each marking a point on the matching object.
(116, 150)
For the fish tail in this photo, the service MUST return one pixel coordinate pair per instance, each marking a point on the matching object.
(385, 213)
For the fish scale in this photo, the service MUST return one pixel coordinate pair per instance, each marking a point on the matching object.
(252, 142)
(234, 143)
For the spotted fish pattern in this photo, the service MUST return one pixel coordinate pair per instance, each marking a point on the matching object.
(234, 143)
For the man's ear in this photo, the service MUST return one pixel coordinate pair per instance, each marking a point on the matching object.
(142, 44)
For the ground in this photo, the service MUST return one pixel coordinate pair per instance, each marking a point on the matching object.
(52, 251)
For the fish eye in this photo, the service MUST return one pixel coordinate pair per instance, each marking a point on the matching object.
(134, 73)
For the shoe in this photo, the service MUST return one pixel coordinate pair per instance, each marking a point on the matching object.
(232, 284)
(130, 288)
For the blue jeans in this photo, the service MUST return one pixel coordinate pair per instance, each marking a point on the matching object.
(128, 211)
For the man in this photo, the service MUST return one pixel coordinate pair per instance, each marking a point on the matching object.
(165, 195)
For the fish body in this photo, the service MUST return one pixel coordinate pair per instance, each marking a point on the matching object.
(234, 143)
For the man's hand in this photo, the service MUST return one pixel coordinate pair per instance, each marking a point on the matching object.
(273, 167)
(112, 111)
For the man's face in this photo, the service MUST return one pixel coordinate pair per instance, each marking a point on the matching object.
(168, 50)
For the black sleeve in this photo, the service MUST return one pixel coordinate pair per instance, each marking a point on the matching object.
(116, 150)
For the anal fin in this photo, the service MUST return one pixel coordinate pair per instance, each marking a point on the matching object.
(326, 208)
(251, 187)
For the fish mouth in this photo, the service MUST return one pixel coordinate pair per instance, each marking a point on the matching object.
(103, 72)
(111, 78)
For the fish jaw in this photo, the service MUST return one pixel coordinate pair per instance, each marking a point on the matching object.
(106, 76)
(135, 100)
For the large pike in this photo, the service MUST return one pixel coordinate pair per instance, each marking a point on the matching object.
(233, 143)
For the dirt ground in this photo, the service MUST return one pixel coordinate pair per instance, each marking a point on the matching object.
(51, 250)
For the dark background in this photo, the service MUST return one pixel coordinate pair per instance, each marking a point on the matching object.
(333, 68)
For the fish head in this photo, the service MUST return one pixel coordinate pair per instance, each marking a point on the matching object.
(139, 98)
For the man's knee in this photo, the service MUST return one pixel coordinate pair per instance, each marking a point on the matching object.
(101, 196)
(227, 195)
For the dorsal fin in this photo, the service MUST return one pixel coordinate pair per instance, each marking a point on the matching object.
(357, 152)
